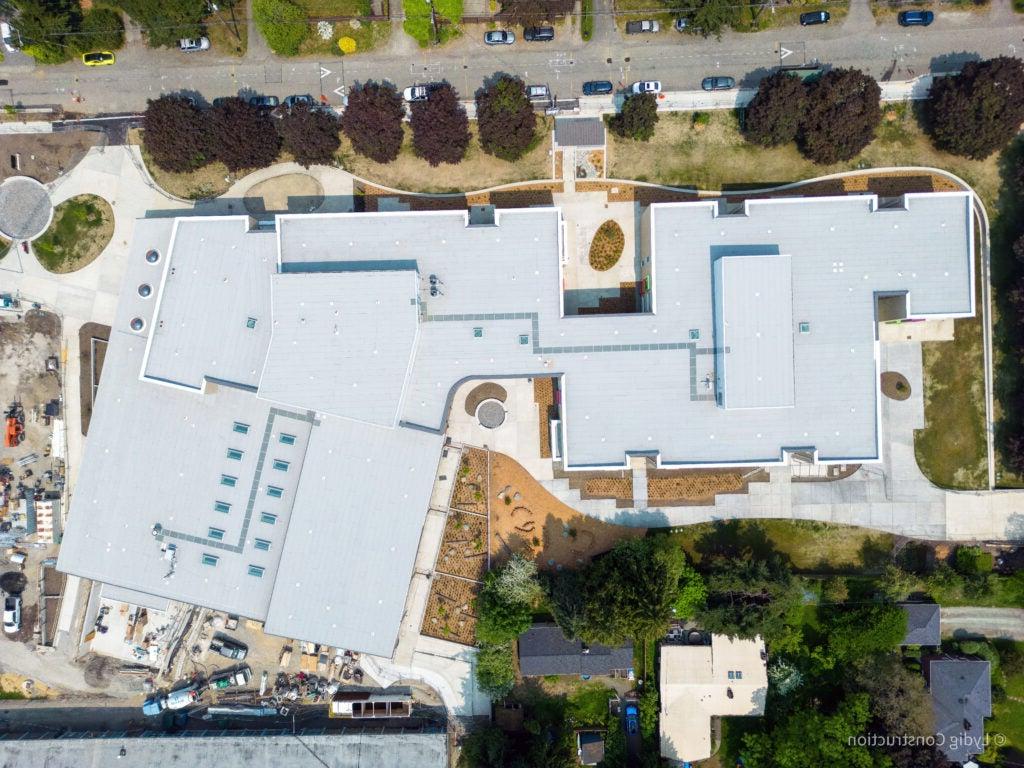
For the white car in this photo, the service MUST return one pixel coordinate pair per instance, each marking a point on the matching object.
(7, 36)
(12, 614)
(194, 44)
(417, 92)
(646, 86)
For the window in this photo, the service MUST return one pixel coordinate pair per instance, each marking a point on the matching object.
(805, 327)
(228, 480)
(256, 570)
(524, 338)
(268, 517)
(281, 466)
(287, 439)
(216, 533)
(221, 506)
(250, 323)
(240, 428)
(478, 333)
(735, 675)
(235, 454)
(274, 492)
(210, 560)
(694, 334)
(739, 675)
(262, 544)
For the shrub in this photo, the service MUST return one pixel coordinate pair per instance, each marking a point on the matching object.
(440, 128)
(175, 135)
(46, 27)
(165, 22)
(244, 136)
(773, 115)
(841, 116)
(534, 12)
(835, 590)
(637, 118)
(710, 17)
(972, 561)
(101, 29)
(504, 605)
(282, 24)
(979, 110)
(496, 669)
(606, 247)
(373, 121)
(505, 118)
(311, 135)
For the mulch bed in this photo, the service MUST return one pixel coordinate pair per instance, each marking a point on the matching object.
(544, 396)
(86, 333)
(471, 485)
(464, 546)
(895, 385)
(449, 613)
(486, 391)
(606, 247)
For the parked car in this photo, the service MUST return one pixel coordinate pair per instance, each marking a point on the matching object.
(12, 614)
(681, 25)
(98, 59)
(230, 677)
(293, 101)
(598, 87)
(718, 83)
(538, 34)
(418, 92)
(154, 705)
(646, 86)
(815, 17)
(182, 697)
(499, 37)
(7, 36)
(642, 27)
(538, 92)
(915, 18)
(189, 44)
(265, 102)
(228, 648)
(632, 718)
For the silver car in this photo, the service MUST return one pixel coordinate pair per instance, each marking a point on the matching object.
(499, 37)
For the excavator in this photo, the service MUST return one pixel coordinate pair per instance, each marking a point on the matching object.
(15, 430)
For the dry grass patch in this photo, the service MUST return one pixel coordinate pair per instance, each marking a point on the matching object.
(606, 247)
(211, 180)
(478, 170)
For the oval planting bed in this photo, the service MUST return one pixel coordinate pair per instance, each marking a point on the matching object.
(80, 230)
(895, 385)
(606, 247)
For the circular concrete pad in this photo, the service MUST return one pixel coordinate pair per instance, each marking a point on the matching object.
(25, 208)
(491, 414)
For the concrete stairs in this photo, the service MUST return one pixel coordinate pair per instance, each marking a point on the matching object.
(602, 509)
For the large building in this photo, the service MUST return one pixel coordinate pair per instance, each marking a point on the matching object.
(275, 393)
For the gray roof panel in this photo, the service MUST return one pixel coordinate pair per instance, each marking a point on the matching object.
(579, 132)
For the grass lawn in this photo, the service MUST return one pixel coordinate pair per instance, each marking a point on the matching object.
(1007, 722)
(317, 8)
(809, 545)
(366, 34)
(80, 230)
(228, 30)
(588, 705)
(476, 171)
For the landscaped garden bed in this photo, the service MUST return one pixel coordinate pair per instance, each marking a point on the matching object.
(80, 230)
(450, 609)
(464, 546)
(470, 492)
(606, 247)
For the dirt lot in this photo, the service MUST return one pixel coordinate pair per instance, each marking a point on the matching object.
(536, 522)
(45, 156)
(25, 346)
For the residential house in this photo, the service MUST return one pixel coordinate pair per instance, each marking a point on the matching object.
(961, 693)
(590, 747)
(545, 650)
(922, 624)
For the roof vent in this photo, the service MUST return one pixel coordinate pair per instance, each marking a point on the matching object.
(137, 324)
(152, 256)
(145, 290)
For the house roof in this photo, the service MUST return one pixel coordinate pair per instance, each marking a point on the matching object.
(579, 132)
(961, 693)
(698, 682)
(590, 747)
(923, 624)
(545, 650)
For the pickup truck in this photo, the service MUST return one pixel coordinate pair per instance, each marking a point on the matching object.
(230, 677)
(640, 27)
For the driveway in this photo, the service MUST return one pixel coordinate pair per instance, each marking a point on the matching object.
(990, 622)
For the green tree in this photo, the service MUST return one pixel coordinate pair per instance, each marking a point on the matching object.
(980, 109)
(440, 128)
(972, 561)
(373, 121)
(809, 737)
(505, 118)
(282, 24)
(750, 597)
(637, 118)
(165, 22)
(841, 116)
(899, 700)
(895, 583)
(631, 590)
(710, 17)
(496, 668)
(176, 135)
(101, 30)
(311, 135)
(564, 590)
(773, 115)
(835, 590)
(500, 620)
(864, 631)
(693, 593)
(516, 581)
(45, 27)
(485, 747)
(244, 136)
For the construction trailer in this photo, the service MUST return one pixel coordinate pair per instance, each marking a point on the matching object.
(360, 705)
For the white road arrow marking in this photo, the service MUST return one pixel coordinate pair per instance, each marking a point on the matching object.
(784, 52)
(324, 72)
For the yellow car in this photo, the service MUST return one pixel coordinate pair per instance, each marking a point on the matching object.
(98, 59)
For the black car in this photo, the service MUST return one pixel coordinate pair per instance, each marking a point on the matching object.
(717, 83)
(915, 18)
(265, 102)
(597, 87)
(816, 17)
(538, 34)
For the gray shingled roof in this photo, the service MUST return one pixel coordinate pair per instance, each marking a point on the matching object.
(545, 650)
(922, 623)
(579, 132)
(591, 747)
(961, 692)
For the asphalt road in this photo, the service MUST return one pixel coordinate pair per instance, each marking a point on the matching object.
(883, 49)
(990, 622)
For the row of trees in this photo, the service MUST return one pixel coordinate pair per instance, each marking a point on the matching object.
(180, 137)
(973, 113)
(53, 31)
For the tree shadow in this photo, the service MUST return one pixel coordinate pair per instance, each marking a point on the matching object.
(948, 63)
(737, 539)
